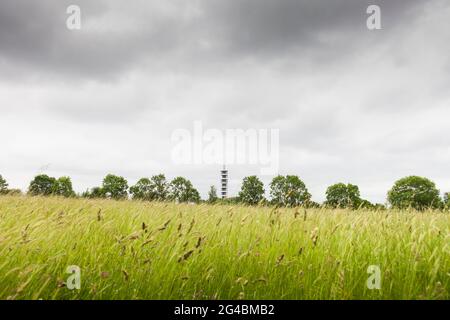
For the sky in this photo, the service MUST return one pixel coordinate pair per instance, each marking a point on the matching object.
(351, 105)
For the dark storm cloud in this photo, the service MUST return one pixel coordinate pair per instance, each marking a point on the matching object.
(266, 27)
(182, 35)
(34, 38)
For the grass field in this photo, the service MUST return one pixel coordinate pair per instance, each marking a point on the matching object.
(134, 250)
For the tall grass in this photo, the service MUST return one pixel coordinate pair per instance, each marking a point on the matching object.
(137, 250)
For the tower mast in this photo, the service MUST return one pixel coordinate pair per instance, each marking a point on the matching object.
(224, 182)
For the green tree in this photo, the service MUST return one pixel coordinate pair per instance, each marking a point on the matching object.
(252, 191)
(141, 190)
(115, 187)
(152, 189)
(447, 200)
(42, 185)
(182, 190)
(63, 187)
(341, 195)
(94, 193)
(160, 187)
(289, 191)
(414, 192)
(3, 185)
(212, 195)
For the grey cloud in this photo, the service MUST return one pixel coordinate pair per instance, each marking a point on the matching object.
(33, 36)
(118, 38)
(259, 27)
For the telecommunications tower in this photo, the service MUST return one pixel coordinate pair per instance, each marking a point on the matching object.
(224, 182)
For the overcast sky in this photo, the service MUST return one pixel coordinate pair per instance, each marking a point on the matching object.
(352, 105)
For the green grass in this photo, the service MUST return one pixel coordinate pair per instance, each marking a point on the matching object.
(137, 250)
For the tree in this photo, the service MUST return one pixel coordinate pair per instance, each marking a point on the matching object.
(341, 195)
(45, 186)
(3, 185)
(252, 191)
(115, 187)
(289, 191)
(212, 195)
(94, 193)
(447, 200)
(141, 190)
(152, 189)
(182, 190)
(414, 192)
(63, 187)
(160, 187)
(42, 185)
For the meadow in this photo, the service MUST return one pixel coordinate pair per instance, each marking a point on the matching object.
(143, 250)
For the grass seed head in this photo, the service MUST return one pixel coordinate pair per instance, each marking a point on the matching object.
(315, 236)
(186, 256)
(125, 274)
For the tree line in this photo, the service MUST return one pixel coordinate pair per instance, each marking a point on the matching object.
(414, 192)
(285, 191)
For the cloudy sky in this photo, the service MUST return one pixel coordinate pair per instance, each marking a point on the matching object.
(352, 105)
